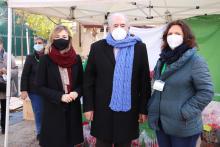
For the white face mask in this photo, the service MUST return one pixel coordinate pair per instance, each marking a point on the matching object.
(174, 40)
(119, 33)
(38, 47)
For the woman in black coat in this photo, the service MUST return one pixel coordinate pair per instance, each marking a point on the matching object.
(60, 81)
(28, 86)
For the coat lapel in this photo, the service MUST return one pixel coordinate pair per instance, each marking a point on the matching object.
(55, 70)
(109, 53)
(74, 75)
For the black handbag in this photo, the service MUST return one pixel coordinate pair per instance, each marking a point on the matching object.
(2, 85)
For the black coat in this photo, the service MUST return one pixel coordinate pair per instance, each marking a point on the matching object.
(28, 82)
(108, 125)
(61, 122)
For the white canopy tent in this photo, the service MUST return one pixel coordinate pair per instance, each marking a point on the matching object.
(139, 11)
(95, 12)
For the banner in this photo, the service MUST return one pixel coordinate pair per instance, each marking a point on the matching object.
(152, 37)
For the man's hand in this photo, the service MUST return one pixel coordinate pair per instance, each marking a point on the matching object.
(142, 118)
(89, 115)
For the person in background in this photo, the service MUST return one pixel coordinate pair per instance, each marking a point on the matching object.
(84, 63)
(28, 84)
(59, 79)
(3, 80)
(182, 89)
(116, 85)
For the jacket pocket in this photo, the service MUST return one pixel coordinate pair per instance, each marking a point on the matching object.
(182, 115)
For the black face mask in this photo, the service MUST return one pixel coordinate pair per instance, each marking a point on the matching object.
(60, 44)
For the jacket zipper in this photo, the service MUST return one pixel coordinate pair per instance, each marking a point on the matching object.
(160, 110)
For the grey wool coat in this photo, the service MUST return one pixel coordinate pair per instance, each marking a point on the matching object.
(187, 91)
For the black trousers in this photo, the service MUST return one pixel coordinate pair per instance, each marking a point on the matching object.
(100, 143)
(3, 112)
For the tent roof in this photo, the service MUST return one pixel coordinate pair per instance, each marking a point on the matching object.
(138, 11)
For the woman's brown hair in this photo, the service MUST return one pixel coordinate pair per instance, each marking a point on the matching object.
(188, 36)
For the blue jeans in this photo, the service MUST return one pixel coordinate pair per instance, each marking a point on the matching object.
(36, 102)
(165, 140)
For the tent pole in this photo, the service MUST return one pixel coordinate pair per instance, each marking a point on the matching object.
(27, 39)
(80, 35)
(14, 32)
(105, 30)
(22, 40)
(8, 75)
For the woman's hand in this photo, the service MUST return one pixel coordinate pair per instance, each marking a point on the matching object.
(24, 95)
(74, 95)
(69, 97)
(66, 98)
(3, 71)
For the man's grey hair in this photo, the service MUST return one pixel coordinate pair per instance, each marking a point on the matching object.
(111, 16)
(39, 38)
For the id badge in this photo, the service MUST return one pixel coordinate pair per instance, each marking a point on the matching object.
(158, 85)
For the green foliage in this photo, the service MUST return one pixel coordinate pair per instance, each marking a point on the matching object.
(41, 25)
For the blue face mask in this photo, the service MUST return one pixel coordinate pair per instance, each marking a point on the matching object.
(38, 47)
